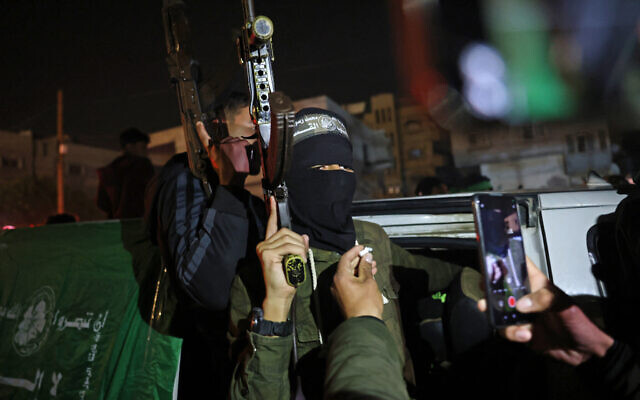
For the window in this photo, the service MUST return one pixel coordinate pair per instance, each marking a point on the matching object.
(442, 147)
(582, 143)
(527, 133)
(415, 153)
(8, 162)
(602, 139)
(571, 147)
(377, 116)
(480, 140)
(590, 142)
(393, 189)
(413, 126)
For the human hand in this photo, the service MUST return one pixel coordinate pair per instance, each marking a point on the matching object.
(223, 166)
(271, 251)
(560, 329)
(354, 287)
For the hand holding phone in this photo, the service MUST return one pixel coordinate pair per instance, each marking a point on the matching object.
(502, 257)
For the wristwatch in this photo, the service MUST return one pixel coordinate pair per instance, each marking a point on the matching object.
(264, 327)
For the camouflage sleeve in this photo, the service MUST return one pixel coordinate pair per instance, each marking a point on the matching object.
(262, 363)
(363, 361)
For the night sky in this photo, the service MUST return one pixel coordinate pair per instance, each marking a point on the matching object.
(109, 58)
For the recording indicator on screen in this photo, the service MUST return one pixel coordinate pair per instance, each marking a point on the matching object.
(502, 253)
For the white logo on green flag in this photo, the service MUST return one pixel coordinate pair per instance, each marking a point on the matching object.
(33, 329)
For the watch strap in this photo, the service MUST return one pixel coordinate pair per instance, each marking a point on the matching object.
(265, 327)
(270, 328)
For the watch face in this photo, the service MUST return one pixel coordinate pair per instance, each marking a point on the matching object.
(256, 317)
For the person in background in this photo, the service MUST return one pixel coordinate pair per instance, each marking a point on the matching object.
(431, 185)
(122, 183)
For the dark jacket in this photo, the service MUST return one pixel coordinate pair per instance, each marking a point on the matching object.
(122, 186)
(202, 242)
(617, 374)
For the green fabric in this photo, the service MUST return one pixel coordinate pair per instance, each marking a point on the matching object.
(69, 318)
(248, 291)
(363, 361)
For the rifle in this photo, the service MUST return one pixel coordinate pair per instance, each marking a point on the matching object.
(274, 117)
(184, 71)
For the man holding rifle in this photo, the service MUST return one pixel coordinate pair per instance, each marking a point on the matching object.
(202, 241)
(203, 220)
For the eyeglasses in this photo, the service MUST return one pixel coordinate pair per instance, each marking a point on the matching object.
(332, 167)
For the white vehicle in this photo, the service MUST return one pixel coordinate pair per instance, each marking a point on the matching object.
(554, 229)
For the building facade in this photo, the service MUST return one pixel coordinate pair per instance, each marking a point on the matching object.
(16, 154)
(164, 144)
(419, 147)
(23, 158)
(80, 163)
(553, 155)
(425, 146)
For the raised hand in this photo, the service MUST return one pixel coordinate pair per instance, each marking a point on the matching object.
(277, 244)
(354, 287)
(560, 328)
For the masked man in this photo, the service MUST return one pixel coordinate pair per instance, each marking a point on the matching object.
(321, 184)
(202, 241)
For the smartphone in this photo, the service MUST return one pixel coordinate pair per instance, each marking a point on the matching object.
(502, 257)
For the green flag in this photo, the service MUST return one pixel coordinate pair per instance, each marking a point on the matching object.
(70, 327)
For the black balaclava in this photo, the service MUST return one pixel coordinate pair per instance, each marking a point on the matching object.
(320, 201)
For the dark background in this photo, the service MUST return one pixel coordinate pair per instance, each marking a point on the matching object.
(109, 58)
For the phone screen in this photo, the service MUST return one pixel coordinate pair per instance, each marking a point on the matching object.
(502, 257)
